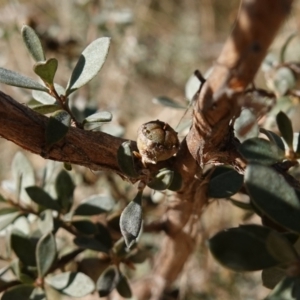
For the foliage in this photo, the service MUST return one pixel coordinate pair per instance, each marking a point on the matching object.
(271, 192)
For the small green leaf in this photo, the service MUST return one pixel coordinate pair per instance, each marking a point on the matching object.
(45, 222)
(176, 182)
(23, 169)
(257, 150)
(40, 197)
(280, 248)
(8, 210)
(72, 284)
(95, 205)
(91, 243)
(285, 127)
(283, 290)
(131, 220)
(85, 227)
(8, 219)
(18, 292)
(19, 242)
(165, 101)
(125, 160)
(99, 117)
(16, 79)
(45, 97)
(33, 43)
(225, 184)
(89, 64)
(107, 281)
(67, 166)
(274, 138)
(270, 277)
(64, 188)
(45, 254)
(46, 70)
(284, 80)
(46, 109)
(123, 287)
(273, 195)
(242, 248)
(55, 131)
(162, 180)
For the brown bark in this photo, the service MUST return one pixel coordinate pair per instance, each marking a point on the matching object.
(209, 140)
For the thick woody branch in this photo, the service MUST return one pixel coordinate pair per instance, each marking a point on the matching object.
(243, 52)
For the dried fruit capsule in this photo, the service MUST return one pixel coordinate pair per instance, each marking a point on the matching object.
(157, 141)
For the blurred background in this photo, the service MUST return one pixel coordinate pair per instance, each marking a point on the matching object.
(155, 48)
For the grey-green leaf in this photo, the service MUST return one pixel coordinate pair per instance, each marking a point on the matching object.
(8, 219)
(85, 227)
(40, 197)
(99, 117)
(123, 287)
(284, 80)
(273, 195)
(162, 180)
(285, 127)
(46, 109)
(45, 254)
(16, 79)
(125, 160)
(107, 281)
(281, 248)
(64, 188)
(166, 101)
(18, 292)
(89, 64)
(55, 131)
(19, 242)
(33, 43)
(131, 220)
(91, 243)
(274, 138)
(45, 97)
(95, 205)
(225, 184)
(46, 70)
(257, 150)
(242, 248)
(72, 284)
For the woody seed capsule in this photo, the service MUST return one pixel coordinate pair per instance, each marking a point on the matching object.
(157, 141)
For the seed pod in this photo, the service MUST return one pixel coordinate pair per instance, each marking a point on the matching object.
(157, 141)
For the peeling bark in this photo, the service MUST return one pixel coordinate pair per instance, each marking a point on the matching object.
(209, 140)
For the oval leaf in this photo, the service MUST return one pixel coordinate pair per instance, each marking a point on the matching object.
(242, 248)
(123, 287)
(72, 284)
(107, 281)
(131, 220)
(274, 138)
(19, 242)
(46, 109)
(45, 254)
(91, 243)
(285, 127)
(280, 248)
(16, 79)
(225, 184)
(40, 197)
(64, 187)
(85, 227)
(46, 70)
(258, 150)
(273, 195)
(125, 160)
(33, 43)
(165, 101)
(8, 219)
(20, 292)
(55, 131)
(89, 64)
(95, 205)
(162, 180)
(99, 117)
